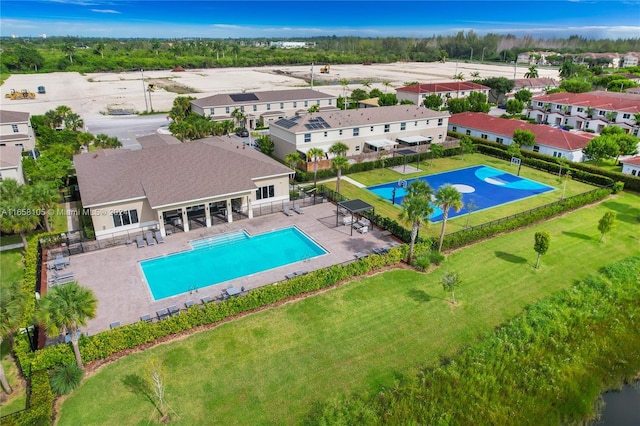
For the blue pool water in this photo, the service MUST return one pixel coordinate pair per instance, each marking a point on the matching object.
(484, 186)
(226, 257)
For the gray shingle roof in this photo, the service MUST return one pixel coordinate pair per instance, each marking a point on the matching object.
(171, 174)
(10, 156)
(224, 99)
(8, 117)
(368, 117)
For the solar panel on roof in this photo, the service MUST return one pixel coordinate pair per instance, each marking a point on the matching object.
(243, 97)
(287, 123)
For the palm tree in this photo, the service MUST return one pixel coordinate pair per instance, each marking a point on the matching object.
(339, 163)
(386, 84)
(17, 221)
(367, 84)
(239, 116)
(68, 49)
(73, 121)
(532, 72)
(44, 195)
(315, 154)
(64, 309)
(85, 139)
(417, 209)
(339, 148)
(475, 74)
(292, 159)
(11, 310)
(447, 197)
(344, 83)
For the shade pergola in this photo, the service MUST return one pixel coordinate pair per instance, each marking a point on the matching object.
(353, 206)
(414, 140)
(406, 153)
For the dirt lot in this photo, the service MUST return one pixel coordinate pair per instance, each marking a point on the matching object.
(92, 94)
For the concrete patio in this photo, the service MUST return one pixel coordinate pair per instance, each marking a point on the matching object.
(116, 278)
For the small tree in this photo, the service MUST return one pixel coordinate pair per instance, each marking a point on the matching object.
(155, 379)
(523, 95)
(11, 309)
(449, 283)
(524, 137)
(605, 225)
(437, 151)
(541, 246)
(265, 144)
(466, 146)
(433, 101)
(292, 159)
(514, 106)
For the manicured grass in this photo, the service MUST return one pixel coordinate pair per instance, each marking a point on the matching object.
(18, 399)
(10, 239)
(272, 366)
(11, 266)
(385, 208)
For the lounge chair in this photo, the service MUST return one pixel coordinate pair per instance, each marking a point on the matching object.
(360, 255)
(162, 314)
(146, 318)
(363, 229)
(114, 324)
(188, 304)
(347, 220)
(297, 209)
(291, 275)
(55, 278)
(149, 238)
(139, 241)
(159, 237)
(287, 211)
(173, 310)
(206, 299)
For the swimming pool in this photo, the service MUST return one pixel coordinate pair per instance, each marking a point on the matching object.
(483, 186)
(226, 257)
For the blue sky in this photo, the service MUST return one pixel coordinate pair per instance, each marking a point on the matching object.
(304, 18)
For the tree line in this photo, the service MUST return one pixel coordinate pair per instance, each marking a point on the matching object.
(84, 54)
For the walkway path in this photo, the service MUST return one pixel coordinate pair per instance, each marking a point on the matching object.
(11, 246)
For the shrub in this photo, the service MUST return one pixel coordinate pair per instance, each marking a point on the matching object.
(66, 378)
(436, 257)
(422, 262)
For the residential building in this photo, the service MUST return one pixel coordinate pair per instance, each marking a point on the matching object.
(263, 106)
(416, 93)
(548, 141)
(534, 85)
(631, 166)
(362, 130)
(176, 185)
(11, 163)
(630, 60)
(587, 111)
(15, 130)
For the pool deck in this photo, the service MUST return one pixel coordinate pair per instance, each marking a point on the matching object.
(117, 281)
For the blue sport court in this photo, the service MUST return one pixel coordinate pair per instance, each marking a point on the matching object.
(226, 257)
(484, 186)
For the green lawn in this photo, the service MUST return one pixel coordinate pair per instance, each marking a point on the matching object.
(272, 366)
(385, 208)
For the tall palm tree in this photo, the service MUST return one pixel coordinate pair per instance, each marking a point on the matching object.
(447, 197)
(99, 49)
(367, 84)
(417, 209)
(239, 116)
(386, 84)
(68, 49)
(532, 72)
(73, 121)
(339, 163)
(44, 195)
(292, 159)
(315, 154)
(11, 310)
(345, 84)
(64, 309)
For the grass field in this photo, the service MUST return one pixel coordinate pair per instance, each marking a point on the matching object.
(272, 366)
(385, 208)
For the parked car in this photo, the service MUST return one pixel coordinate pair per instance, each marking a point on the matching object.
(41, 90)
(243, 133)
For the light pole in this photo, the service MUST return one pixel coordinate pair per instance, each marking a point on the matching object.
(144, 92)
(482, 60)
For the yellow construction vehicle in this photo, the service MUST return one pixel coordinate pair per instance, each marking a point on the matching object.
(23, 94)
(151, 88)
(325, 69)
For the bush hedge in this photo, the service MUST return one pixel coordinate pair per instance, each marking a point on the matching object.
(40, 409)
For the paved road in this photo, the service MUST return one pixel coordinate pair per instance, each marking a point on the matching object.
(126, 128)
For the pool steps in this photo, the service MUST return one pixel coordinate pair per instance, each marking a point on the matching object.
(219, 240)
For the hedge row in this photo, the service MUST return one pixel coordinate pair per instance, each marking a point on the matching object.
(40, 409)
(110, 342)
(465, 237)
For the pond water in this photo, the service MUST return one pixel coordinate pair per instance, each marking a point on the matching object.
(622, 407)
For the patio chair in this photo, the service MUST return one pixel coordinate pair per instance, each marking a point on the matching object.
(139, 241)
(173, 310)
(57, 277)
(64, 280)
(363, 229)
(146, 318)
(287, 211)
(297, 209)
(149, 238)
(347, 220)
(162, 314)
(159, 237)
(114, 324)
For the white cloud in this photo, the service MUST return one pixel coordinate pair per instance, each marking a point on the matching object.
(105, 11)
